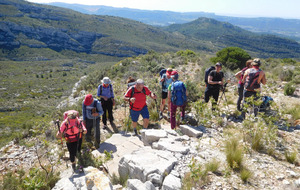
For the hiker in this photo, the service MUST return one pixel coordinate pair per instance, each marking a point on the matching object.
(215, 82)
(252, 79)
(91, 112)
(165, 81)
(240, 75)
(136, 95)
(130, 82)
(71, 129)
(106, 94)
(177, 93)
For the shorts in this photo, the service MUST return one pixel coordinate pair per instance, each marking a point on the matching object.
(164, 95)
(135, 114)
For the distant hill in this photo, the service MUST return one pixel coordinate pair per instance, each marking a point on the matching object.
(26, 25)
(28, 29)
(279, 26)
(230, 35)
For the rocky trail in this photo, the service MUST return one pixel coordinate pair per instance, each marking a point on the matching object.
(161, 158)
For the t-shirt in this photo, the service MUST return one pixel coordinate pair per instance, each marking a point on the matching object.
(166, 82)
(215, 77)
(140, 98)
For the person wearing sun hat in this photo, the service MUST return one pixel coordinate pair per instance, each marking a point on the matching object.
(177, 95)
(136, 96)
(165, 81)
(91, 112)
(252, 79)
(106, 94)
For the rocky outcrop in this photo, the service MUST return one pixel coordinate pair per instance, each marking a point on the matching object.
(92, 178)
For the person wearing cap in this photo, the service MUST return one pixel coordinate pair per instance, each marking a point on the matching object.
(136, 96)
(240, 75)
(106, 94)
(91, 112)
(215, 82)
(182, 97)
(252, 79)
(73, 135)
(165, 81)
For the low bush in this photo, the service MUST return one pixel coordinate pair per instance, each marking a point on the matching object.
(289, 89)
(234, 153)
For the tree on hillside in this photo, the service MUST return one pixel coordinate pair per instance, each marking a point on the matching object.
(232, 57)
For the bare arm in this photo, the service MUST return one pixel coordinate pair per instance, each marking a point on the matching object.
(262, 78)
(238, 75)
(214, 82)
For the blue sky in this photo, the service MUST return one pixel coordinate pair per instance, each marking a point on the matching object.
(246, 8)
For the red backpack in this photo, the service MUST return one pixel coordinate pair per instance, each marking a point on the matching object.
(71, 132)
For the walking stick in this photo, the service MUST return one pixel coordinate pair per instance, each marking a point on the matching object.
(58, 126)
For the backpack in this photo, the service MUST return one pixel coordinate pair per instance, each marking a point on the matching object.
(251, 81)
(178, 92)
(110, 87)
(132, 93)
(161, 73)
(207, 71)
(71, 133)
(266, 103)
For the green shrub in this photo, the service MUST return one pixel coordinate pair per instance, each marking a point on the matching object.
(212, 166)
(245, 174)
(286, 75)
(291, 157)
(289, 89)
(234, 153)
(119, 180)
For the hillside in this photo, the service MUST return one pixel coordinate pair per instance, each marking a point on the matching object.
(226, 34)
(279, 26)
(31, 26)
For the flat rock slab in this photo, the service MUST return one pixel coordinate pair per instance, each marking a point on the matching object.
(147, 164)
(152, 135)
(120, 145)
(191, 131)
(135, 184)
(170, 144)
(171, 182)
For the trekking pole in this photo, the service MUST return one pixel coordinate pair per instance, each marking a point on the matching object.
(58, 126)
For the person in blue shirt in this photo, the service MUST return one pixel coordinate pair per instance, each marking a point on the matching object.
(91, 112)
(106, 94)
(165, 81)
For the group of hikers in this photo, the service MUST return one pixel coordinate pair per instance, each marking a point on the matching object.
(249, 80)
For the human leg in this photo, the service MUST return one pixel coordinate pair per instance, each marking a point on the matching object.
(173, 116)
(89, 126)
(97, 131)
(240, 98)
(105, 109)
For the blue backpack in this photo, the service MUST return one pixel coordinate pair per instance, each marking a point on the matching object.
(178, 91)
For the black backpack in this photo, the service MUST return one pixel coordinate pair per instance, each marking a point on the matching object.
(110, 87)
(207, 71)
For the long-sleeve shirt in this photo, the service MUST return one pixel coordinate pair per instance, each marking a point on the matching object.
(87, 110)
(106, 91)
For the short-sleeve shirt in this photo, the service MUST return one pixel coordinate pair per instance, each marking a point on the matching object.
(166, 83)
(140, 98)
(215, 77)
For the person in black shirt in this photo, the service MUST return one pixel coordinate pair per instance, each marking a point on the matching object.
(215, 82)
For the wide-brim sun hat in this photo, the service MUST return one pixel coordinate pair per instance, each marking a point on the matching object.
(256, 62)
(88, 100)
(106, 80)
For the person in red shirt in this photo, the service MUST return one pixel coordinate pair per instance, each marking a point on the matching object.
(136, 96)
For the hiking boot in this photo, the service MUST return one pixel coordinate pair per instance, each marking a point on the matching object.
(182, 118)
(168, 115)
(135, 132)
(105, 127)
(160, 115)
(74, 167)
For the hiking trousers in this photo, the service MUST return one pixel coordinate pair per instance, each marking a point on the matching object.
(90, 126)
(173, 114)
(72, 148)
(107, 106)
(211, 92)
(241, 96)
(248, 94)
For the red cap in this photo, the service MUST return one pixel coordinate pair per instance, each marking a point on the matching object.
(168, 73)
(174, 73)
(88, 100)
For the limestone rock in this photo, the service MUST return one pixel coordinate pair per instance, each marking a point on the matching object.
(191, 131)
(96, 179)
(171, 145)
(135, 184)
(153, 135)
(171, 183)
(152, 161)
